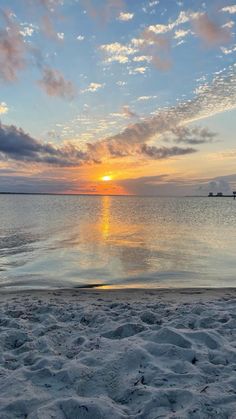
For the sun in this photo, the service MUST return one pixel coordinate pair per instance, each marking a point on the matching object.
(106, 178)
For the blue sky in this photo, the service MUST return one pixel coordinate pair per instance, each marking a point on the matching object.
(135, 89)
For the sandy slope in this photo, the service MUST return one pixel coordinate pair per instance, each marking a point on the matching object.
(118, 354)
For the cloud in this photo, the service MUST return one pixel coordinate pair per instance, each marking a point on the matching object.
(181, 33)
(121, 83)
(48, 29)
(224, 184)
(61, 36)
(218, 97)
(210, 32)
(80, 38)
(13, 50)
(15, 144)
(138, 70)
(54, 84)
(50, 5)
(27, 29)
(3, 108)
(183, 17)
(108, 10)
(144, 98)
(128, 113)
(167, 185)
(193, 136)
(228, 24)
(40, 183)
(93, 87)
(155, 47)
(117, 52)
(124, 17)
(151, 46)
(229, 9)
(142, 58)
(228, 51)
(167, 125)
(158, 153)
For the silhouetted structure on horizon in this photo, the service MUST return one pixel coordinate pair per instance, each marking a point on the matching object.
(220, 195)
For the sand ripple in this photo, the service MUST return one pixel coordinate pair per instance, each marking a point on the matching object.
(143, 355)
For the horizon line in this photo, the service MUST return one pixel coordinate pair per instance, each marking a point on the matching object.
(117, 195)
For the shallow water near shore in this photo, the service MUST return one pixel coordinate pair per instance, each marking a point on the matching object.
(73, 241)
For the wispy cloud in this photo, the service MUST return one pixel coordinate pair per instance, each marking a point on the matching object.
(13, 49)
(144, 98)
(108, 10)
(50, 5)
(210, 32)
(54, 84)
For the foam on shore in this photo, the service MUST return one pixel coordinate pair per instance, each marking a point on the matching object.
(118, 354)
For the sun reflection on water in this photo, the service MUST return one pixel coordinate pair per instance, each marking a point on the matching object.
(106, 217)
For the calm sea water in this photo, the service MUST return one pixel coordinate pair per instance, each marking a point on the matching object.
(70, 241)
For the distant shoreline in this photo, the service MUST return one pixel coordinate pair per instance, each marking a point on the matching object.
(123, 195)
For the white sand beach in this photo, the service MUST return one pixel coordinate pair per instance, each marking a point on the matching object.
(144, 354)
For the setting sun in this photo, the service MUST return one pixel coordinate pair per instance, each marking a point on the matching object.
(106, 178)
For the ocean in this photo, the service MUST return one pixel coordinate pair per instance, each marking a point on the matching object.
(116, 242)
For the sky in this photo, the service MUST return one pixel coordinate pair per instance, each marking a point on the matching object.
(118, 96)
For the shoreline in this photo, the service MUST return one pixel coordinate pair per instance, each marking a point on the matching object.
(130, 353)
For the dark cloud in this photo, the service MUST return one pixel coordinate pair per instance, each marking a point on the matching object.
(54, 84)
(15, 144)
(192, 136)
(159, 153)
